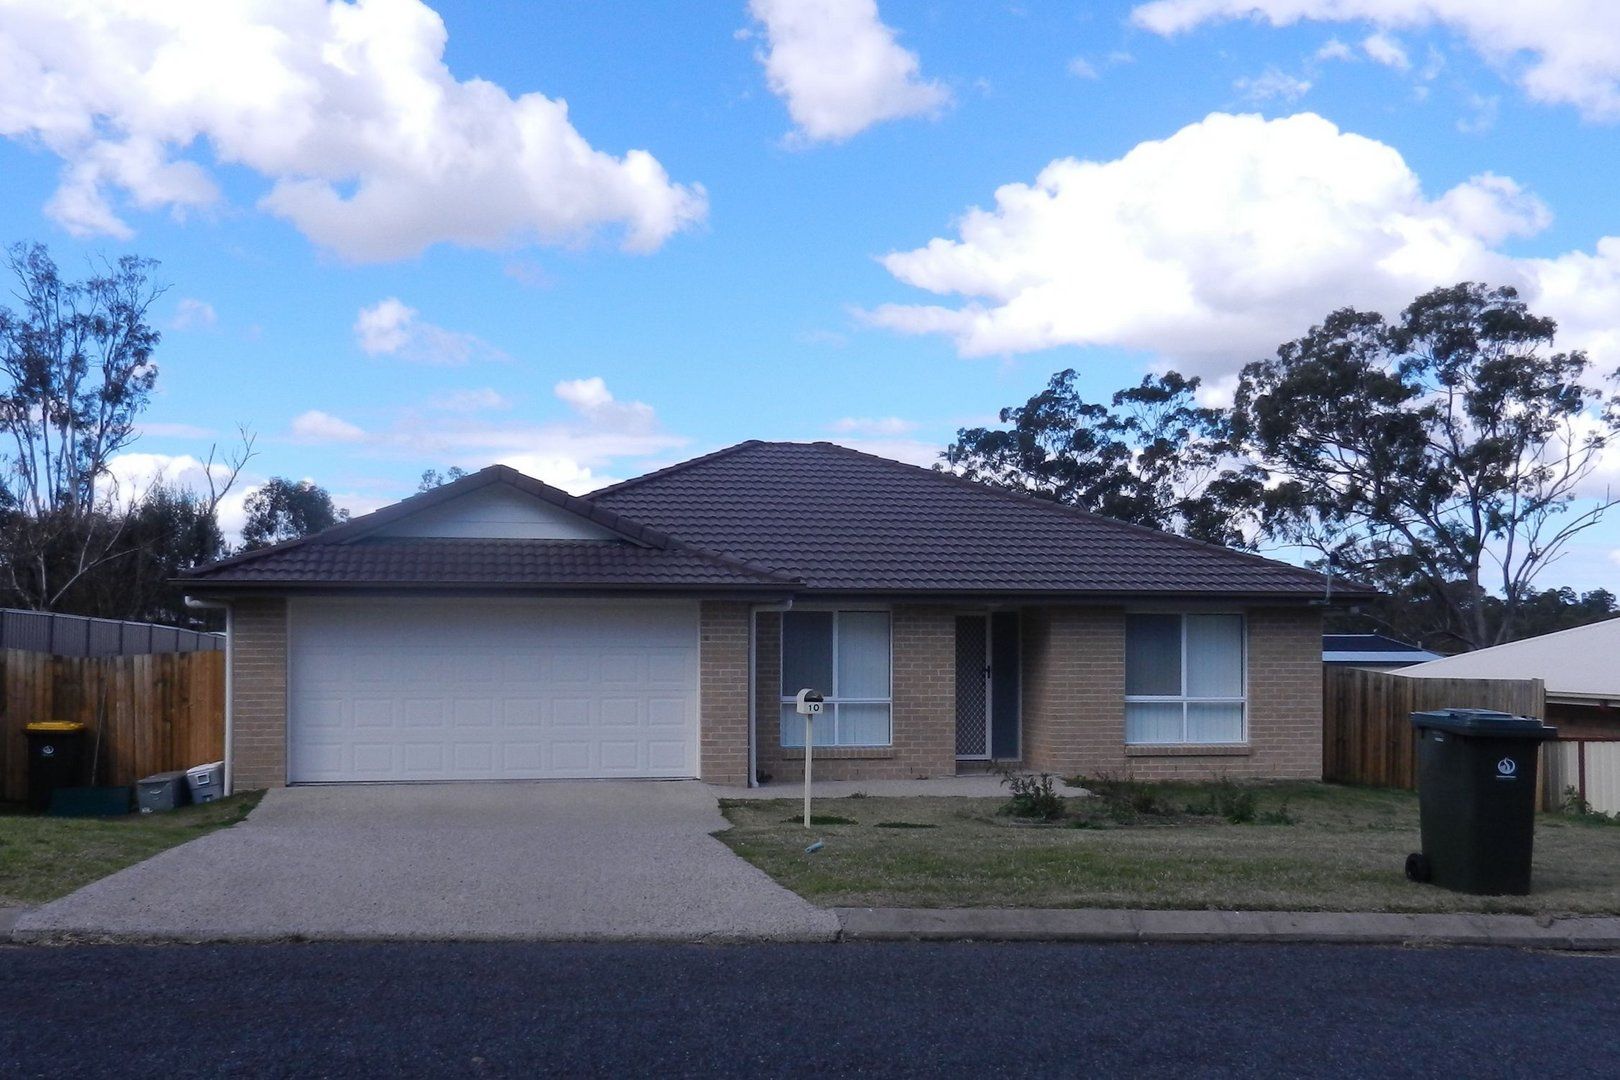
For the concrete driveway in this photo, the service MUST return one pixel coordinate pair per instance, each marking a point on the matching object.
(556, 860)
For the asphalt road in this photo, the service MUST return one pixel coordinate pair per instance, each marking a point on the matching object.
(772, 1010)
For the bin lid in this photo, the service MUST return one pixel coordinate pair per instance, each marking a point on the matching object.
(1484, 724)
(54, 726)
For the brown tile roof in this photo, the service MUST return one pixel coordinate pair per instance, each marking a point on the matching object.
(484, 563)
(843, 520)
(778, 518)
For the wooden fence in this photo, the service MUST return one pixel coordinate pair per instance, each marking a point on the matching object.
(1366, 719)
(145, 714)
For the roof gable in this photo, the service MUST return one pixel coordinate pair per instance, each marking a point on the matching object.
(496, 512)
(494, 528)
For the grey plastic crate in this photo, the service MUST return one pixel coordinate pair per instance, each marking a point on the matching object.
(161, 792)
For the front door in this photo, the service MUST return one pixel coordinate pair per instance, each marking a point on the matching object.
(973, 687)
(987, 687)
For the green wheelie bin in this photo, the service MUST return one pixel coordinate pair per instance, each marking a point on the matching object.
(55, 759)
(1477, 799)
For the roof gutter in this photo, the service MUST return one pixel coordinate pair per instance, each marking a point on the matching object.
(230, 654)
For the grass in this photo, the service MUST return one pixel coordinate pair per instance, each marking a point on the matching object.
(42, 858)
(1304, 847)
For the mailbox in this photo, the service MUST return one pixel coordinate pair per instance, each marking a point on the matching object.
(808, 702)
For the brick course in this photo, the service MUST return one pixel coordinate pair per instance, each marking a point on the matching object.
(723, 692)
(258, 694)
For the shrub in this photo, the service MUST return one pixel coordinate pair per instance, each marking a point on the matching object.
(1034, 798)
(1575, 805)
(1226, 800)
(1279, 816)
(1126, 798)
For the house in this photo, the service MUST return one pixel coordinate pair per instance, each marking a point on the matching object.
(496, 627)
(1374, 652)
(1582, 686)
(1577, 667)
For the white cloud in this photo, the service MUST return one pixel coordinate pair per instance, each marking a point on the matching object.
(1483, 115)
(391, 327)
(839, 68)
(481, 399)
(591, 400)
(874, 425)
(1272, 83)
(134, 474)
(1081, 68)
(193, 314)
(1209, 248)
(1564, 52)
(383, 328)
(370, 146)
(1334, 49)
(600, 438)
(559, 471)
(1383, 49)
(317, 426)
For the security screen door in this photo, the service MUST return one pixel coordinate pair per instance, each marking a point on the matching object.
(973, 687)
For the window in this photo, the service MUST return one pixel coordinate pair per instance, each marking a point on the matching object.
(1184, 679)
(845, 655)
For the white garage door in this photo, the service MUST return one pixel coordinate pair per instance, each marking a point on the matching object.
(491, 689)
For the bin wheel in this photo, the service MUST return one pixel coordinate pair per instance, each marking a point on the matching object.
(1417, 867)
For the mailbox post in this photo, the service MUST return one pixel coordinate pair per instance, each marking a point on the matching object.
(808, 705)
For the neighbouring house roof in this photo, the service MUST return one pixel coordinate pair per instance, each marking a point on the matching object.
(1372, 649)
(773, 517)
(842, 520)
(1573, 664)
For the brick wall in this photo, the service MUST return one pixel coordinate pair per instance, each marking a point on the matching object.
(1074, 712)
(723, 692)
(1074, 689)
(258, 694)
(922, 717)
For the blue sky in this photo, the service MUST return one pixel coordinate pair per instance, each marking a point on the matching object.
(799, 257)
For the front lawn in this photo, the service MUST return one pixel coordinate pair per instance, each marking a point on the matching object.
(42, 858)
(1303, 847)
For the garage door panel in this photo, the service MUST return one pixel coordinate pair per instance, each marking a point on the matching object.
(621, 756)
(569, 667)
(620, 712)
(470, 689)
(522, 713)
(473, 712)
(667, 713)
(422, 713)
(570, 758)
(373, 713)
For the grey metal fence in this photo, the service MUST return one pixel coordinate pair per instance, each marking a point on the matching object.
(79, 635)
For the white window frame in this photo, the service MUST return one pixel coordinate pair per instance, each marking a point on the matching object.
(832, 697)
(1183, 699)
